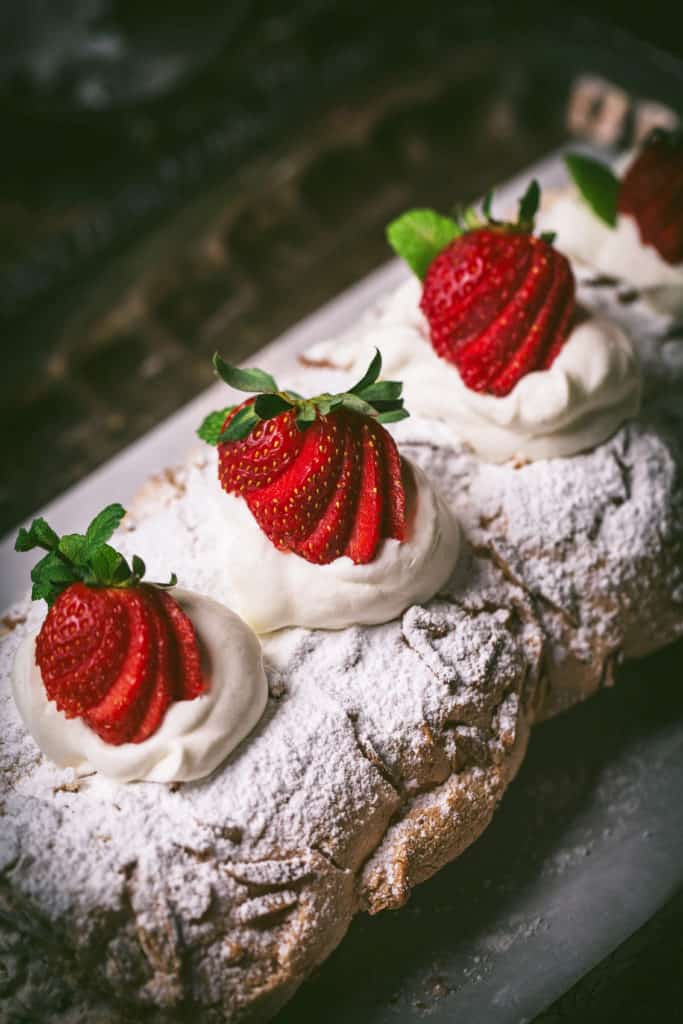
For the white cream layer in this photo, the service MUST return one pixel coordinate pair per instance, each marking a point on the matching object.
(271, 589)
(616, 251)
(195, 735)
(591, 388)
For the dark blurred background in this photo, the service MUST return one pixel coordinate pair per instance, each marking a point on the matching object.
(177, 178)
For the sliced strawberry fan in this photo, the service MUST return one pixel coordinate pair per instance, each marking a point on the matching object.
(114, 651)
(321, 476)
(498, 299)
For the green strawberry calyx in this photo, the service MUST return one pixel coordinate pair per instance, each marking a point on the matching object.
(381, 400)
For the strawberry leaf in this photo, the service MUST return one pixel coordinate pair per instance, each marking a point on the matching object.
(307, 414)
(393, 416)
(39, 535)
(597, 183)
(108, 566)
(418, 236)
(268, 406)
(240, 425)
(371, 374)
(139, 567)
(383, 391)
(74, 547)
(85, 557)
(251, 380)
(104, 524)
(212, 425)
(528, 206)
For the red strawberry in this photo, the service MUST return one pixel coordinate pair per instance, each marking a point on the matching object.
(81, 647)
(321, 476)
(651, 192)
(190, 682)
(499, 300)
(113, 651)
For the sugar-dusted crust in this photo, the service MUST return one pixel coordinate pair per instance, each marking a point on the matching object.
(382, 754)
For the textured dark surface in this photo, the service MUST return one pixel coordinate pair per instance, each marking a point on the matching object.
(218, 215)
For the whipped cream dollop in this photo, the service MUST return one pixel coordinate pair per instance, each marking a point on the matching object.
(271, 589)
(194, 737)
(593, 385)
(618, 251)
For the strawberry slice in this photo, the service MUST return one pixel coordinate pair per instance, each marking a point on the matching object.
(164, 684)
(394, 490)
(262, 456)
(367, 527)
(190, 681)
(81, 647)
(117, 717)
(328, 540)
(288, 509)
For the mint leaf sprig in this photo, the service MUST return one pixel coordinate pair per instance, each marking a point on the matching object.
(418, 236)
(380, 400)
(75, 557)
(597, 183)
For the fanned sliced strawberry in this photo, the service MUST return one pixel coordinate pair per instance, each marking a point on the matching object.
(499, 301)
(262, 456)
(81, 647)
(517, 316)
(341, 489)
(288, 509)
(328, 540)
(117, 717)
(366, 532)
(164, 682)
(113, 651)
(191, 683)
(651, 192)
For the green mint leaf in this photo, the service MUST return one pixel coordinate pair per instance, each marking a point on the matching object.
(104, 524)
(252, 380)
(528, 206)
(212, 425)
(74, 547)
(548, 236)
(418, 236)
(105, 565)
(268, 406)
(53, 569)
(597, 183)
(138, 567)
(45, 592)
(39, 535)
(393, 416)
(383, 390)
(240, 425)
(371, 374)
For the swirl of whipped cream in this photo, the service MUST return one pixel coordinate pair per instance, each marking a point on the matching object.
(593, 385)
(195, 735)
(271, 589)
